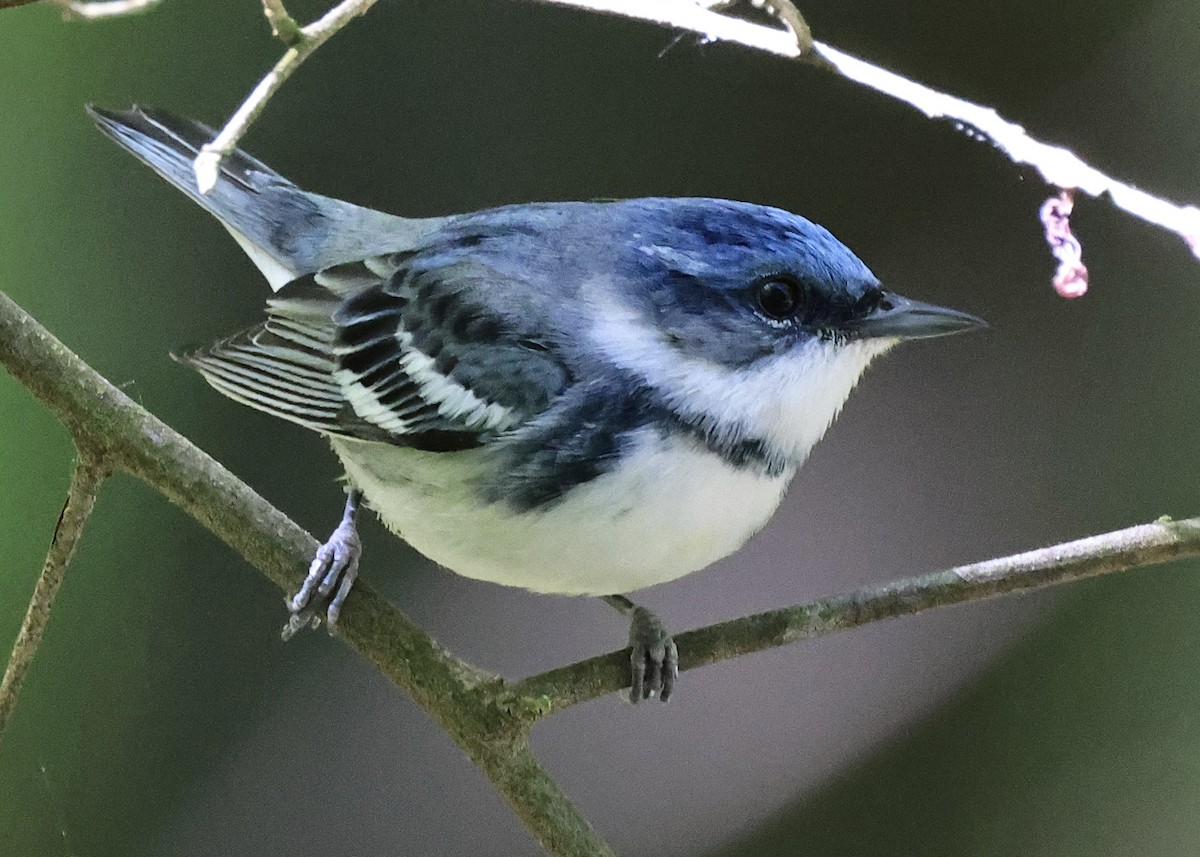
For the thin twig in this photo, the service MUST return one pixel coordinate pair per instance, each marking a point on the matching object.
(78, 11)
(311, 37)
(81, 497)
(1135, 547)
(1060, 167)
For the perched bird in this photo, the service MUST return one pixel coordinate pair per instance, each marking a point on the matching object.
(580, 397)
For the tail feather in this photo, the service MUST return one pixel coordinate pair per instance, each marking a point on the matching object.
(286, 231)
(169, 143)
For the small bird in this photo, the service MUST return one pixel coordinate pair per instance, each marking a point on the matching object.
(585, 398)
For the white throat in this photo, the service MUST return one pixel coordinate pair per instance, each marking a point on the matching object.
(787, 401)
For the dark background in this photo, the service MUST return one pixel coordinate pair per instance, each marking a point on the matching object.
(164, 717)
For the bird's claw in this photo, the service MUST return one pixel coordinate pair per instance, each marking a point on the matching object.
(654, 657)
(330, 577)
(299, 620)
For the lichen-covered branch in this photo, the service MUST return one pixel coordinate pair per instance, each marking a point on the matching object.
(460, 698)
(81, 497)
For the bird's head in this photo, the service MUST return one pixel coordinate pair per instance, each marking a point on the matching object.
(750, 319)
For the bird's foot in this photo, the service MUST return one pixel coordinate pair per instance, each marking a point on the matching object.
(653, 654)
(331, 576)
(654, 657)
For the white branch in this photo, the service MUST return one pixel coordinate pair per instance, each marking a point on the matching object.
(1058, 166)
(208, 162)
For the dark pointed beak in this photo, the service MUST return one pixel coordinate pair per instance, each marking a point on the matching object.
(902, 318)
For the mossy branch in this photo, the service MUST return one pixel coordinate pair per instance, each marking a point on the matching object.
(120, 435)
(1134, 547)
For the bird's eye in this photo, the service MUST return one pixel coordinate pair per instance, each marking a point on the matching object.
(779, 298)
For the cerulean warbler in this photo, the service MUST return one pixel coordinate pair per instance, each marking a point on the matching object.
(579, 397)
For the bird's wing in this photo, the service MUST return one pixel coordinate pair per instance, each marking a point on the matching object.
(377, 351)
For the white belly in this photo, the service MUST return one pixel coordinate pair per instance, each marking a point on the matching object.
(672, 508)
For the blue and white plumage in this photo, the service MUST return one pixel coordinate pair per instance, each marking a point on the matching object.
(579, 397)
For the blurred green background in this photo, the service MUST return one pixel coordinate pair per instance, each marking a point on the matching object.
(163, 716)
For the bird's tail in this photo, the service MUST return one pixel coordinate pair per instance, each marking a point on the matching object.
(286, 231)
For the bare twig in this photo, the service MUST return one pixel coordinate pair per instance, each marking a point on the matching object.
(1060, 167)
(1135, 547)
(90, 11)
(302, 43)
(89, 474)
